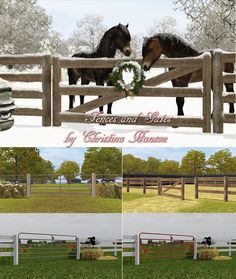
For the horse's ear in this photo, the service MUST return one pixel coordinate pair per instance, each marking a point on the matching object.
(127, 25)
(119, 24)
(145, 38)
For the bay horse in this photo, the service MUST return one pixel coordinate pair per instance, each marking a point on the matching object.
(172, 46)
(116, 38)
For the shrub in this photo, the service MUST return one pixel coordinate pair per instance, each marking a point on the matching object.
(92, 253)
(8, 190)
(208, 253)
(109, 190)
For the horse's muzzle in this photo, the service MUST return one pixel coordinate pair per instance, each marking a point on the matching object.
(127, 51)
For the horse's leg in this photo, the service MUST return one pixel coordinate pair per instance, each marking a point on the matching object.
(83, 82)
(73, 78)
(229, 68)
(109, 106)
(180, 100)
(101, 83)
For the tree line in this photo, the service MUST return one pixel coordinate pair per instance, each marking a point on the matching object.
(17, 162)
(194, 162)
(25, 27)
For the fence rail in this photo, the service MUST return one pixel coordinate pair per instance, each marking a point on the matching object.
(44, 77)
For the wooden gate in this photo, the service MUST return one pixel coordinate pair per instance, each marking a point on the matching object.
(182, 66)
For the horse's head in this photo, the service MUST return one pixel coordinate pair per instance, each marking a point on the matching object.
(151, 52)
(122, 39)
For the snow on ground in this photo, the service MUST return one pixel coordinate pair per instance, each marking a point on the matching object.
(29, 131)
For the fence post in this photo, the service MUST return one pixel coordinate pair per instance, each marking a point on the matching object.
(160, 187)
(77, 248)
(46, 87)
(115, 248)
(28, 185)
(196, 187)
(93, 185)
(127, 184)
(206, 102)
(226, 186)
(217, 92)
(144, 186)
(15, 250)
(137, 250)
(56, 95)
(182, 188)
(195, 248)
(230, 250)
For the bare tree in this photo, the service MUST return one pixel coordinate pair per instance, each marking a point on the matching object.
(212, 24)
(163, 25)
(86, 37)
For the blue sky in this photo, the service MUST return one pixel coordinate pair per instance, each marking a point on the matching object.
(171, 153)
(58, 155)
(139, 14)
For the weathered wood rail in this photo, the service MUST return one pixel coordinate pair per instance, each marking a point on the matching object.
(43, 61)
(219, 95)
(160, 184)
(222, 185)
(109, 94)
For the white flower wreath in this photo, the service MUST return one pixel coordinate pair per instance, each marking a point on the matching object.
(136, 84)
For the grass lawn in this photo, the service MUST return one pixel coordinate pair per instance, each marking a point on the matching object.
(65, 199)
(61, 269)
(180, 269)
(135, 201)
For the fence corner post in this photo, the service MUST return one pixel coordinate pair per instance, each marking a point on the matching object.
(226, 185)
(217, 92)
(195, 248)
(93, 185)
(28, 185)
(206, 104)
(159, 186)
(56, 94)
(144, 186)
(77, 249)
(137, 250)
(46, 87)
(127, 184)
(16, 250)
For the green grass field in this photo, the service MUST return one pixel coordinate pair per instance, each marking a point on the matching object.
(61, 269)
(135, 201)
(49, 198)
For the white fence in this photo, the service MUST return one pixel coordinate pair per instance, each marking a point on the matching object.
(131, 242)
(225, 246)
(10, 242)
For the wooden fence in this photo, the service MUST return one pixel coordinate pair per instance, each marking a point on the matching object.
(163, 186)
(219, 95)
(108, 94)
(224, 186)
(43, 61)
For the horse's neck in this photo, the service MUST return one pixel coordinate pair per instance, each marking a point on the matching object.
(182, 51)
(106, 47)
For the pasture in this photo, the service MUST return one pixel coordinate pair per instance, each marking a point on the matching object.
(64, 198)
(61, 269)
(179, 269)
(136, 201)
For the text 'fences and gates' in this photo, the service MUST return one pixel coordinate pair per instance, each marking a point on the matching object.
(182, 66)
(29, 78)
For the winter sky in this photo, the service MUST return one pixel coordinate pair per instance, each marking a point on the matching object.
(139, 14)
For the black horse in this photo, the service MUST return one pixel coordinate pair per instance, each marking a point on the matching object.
(171, 46)
(116, 38)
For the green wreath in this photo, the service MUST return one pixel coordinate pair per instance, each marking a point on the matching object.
(137, 83)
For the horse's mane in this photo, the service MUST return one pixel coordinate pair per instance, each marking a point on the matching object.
(176, 46)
